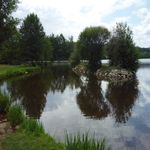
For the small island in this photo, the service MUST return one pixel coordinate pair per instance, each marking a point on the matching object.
(120, 48)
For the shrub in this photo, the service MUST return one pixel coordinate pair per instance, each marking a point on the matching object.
(15, 115)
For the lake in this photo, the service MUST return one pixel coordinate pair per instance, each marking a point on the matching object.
(64, 102)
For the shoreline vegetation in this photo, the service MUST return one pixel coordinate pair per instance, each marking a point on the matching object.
(19, 132)
(7, 71)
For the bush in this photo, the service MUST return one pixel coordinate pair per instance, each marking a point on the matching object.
(15, 115)
(4, 103)
(83, 142)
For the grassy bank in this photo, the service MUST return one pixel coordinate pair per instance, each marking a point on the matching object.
(24, 141)
(7, 71)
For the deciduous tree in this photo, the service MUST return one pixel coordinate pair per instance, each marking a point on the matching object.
(91, 42)
(121, 48)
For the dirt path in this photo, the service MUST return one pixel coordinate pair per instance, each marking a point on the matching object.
(4, 129)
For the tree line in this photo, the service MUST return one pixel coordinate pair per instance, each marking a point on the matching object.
(144, 52)
(30, 43)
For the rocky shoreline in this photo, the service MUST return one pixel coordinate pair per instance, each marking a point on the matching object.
(115, 75)
(107, 74)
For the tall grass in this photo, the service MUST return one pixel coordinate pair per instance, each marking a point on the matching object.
(32, 126)
(4, 103)
(84, 142)
(15, 115)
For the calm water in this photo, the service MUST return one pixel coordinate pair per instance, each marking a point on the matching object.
(63, 101)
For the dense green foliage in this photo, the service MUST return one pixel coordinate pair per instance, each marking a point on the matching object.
(32, 35)
(121, 48)
(47, 50)
(8, 30)
(11, 53)
(7, 22)
(62, 48)
(91, 42)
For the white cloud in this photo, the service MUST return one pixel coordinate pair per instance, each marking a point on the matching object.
(142, 30)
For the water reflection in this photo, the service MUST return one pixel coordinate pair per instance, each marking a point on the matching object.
(32, 91)
(63, 101)
(122, 98)
(91, 100)
(117, 101)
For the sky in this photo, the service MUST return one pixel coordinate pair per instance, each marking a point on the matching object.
(70, 17)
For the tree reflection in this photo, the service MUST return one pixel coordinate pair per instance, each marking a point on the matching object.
(63, 77)
(118, 100)
(91, 101)
(32, 91)
(122, 98)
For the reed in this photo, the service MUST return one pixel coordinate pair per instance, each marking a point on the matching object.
(84, 142)
(32, 126)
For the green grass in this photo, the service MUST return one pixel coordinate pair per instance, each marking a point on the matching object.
(7, 71)
(84, 142)
(15, 115)
(24, 141)
(4, 103)
(32, 126)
